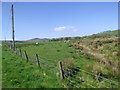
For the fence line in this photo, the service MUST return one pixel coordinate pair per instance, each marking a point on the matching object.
(36, 60)
(39, 61)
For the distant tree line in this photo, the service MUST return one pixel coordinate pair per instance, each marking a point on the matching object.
(65, 38)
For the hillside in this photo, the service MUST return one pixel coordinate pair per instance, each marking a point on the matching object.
(106, 34)
(37, 40)
(104, 48)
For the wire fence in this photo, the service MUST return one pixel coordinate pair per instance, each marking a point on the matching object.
(80, 78)
(42, 62)
(75, 77)
(37, 60)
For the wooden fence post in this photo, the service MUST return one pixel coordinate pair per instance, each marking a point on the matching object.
(20, 52)
(37, 58)
(61, 70)
(26, 55)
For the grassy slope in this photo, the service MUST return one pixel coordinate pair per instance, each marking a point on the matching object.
(17, 73)
(106, 34)
(113, 33)
(108, 48)
(102, 51)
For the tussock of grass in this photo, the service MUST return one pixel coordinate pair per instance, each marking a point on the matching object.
(103, 70)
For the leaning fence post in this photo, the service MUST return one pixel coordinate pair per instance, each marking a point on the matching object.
(61, 70)
(26, 55)
(37, 60)
(20, 52)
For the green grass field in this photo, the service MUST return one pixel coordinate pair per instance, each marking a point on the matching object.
(58, 51)
(18, 73)
(52, 52)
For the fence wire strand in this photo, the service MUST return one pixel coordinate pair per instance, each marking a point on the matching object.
(88, 73)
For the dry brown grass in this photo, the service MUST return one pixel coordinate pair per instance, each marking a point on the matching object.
(97, 69)
(100, 69)
(67, 63)
(94, 48)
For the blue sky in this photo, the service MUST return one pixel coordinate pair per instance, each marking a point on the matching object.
(60, 19)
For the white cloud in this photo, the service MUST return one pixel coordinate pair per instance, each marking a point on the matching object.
(64, 28)
(75, 30)
(60, 28)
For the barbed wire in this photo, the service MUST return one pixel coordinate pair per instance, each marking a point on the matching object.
(78, 77)
(78, 86)
(32, 59)
(93, 74)
(81, 78)
(96, 76)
